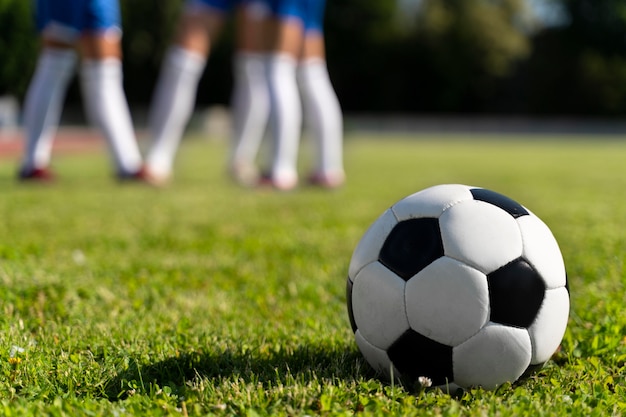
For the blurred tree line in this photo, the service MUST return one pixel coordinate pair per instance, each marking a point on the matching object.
(449, 56)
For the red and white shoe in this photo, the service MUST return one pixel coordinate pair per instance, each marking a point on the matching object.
(327, 180)
(281, 184)
(35, 175)
(144, 174)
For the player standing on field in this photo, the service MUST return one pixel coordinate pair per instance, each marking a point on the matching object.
(183, 66)
(94, 27)
(297, 65)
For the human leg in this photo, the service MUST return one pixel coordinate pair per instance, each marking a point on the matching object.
(172, 106)
(250, 100)
(286, 119)
(321, 105)
(43, 106)
(174, 97)
(322, 113)
(286, 35)
(102, 85)
(107, 108)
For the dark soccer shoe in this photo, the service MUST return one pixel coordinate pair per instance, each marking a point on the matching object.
(144, 175)
(35, 175)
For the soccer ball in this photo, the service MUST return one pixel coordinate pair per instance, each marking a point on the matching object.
(460, 285)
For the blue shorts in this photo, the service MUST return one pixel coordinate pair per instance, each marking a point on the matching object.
(65, 20)
(310, 12)
(219, 5)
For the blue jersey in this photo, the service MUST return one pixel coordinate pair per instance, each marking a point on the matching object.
(310, 12)
(67, 19)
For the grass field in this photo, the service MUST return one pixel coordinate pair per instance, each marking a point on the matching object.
(209, 299)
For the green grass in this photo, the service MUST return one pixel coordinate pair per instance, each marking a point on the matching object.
(205, 298)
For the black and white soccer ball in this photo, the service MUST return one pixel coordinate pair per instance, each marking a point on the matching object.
(460, 285)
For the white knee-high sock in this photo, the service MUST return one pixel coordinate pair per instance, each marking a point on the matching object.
(250, 106)
(44, 103)
(323, 115)
(286, 118)
(172, 106)
(106, 105)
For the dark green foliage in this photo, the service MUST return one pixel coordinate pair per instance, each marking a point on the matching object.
(461, 56)
(360, 37)
(469, 47)
(582, 63)
(18, 46)
(148, 28)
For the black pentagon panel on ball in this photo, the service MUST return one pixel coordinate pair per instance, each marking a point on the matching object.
(349, 303)
(507, 204)
(411, 246)
(415, 355)
(516, 292)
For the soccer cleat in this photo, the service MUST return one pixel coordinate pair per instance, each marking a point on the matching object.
(265, 180)
(245, 175)
(141, 175)
(281, 184)
(329, 181)
(35, 174)
(154, 178)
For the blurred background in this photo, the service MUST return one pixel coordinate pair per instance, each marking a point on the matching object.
(502, 58)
